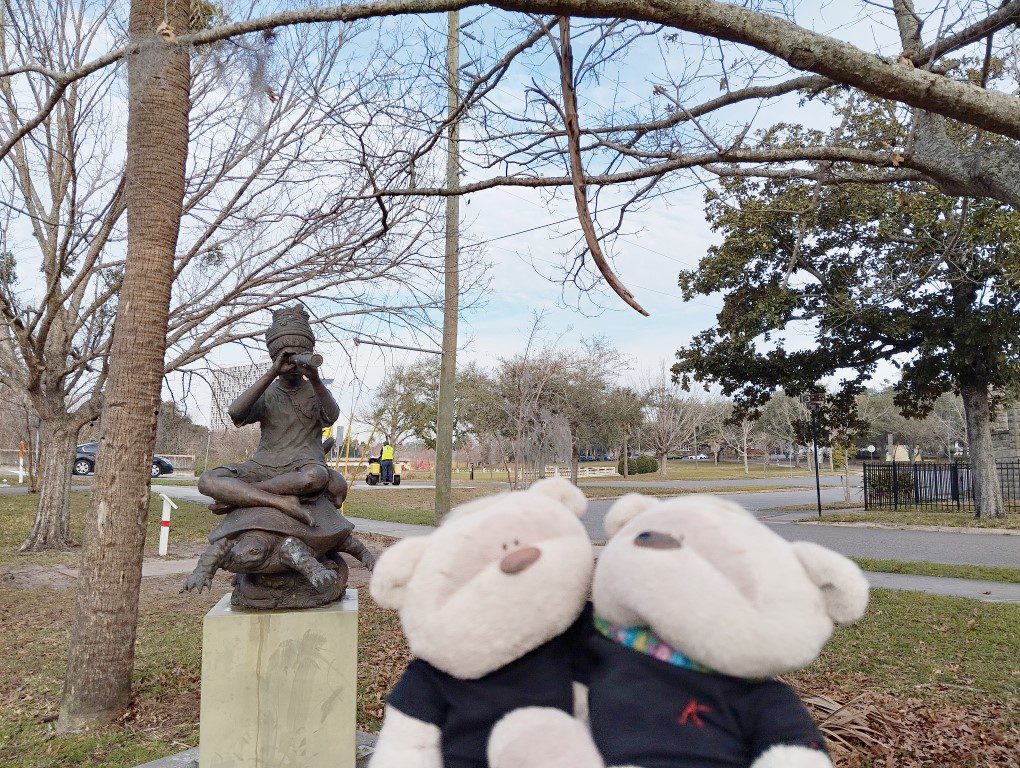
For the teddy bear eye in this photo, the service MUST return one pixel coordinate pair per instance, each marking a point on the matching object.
(504, 546)
(517, 543)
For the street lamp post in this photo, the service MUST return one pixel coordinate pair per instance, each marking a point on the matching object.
(812, 401)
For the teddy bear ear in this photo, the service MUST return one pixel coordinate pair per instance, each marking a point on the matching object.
(565, 492)
(394, 569)
(843, 584)
(625, 510)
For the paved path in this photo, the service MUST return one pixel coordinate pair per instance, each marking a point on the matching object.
(988, 591)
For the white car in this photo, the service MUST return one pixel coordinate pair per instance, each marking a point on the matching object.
(696, 457)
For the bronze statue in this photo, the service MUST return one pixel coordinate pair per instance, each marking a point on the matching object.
(283, 532)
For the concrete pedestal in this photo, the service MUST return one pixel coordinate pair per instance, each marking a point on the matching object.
(279, 687)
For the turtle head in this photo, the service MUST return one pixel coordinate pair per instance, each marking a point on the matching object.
(251, 550)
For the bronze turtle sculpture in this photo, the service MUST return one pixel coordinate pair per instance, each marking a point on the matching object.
(280, 562)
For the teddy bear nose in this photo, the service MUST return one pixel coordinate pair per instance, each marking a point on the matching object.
(520, 560)
(657, 540)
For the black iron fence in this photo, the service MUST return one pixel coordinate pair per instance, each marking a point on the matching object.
(943, 487)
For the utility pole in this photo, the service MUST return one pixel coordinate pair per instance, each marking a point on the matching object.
(448, 366)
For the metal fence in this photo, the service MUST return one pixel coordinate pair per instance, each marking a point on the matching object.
(946, 487)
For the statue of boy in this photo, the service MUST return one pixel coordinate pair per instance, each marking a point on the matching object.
(293, 559)
(292, 406)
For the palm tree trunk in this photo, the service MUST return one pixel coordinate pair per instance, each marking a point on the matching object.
(97, 685)
(52, 529)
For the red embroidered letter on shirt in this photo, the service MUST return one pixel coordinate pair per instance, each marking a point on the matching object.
(691, 712)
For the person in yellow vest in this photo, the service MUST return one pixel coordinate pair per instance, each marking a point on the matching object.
(386, 462)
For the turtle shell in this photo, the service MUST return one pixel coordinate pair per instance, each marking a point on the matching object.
(330, 532)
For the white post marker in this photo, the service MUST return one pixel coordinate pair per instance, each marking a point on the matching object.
(164, 525)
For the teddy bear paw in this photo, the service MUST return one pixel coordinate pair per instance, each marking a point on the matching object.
(539, 737)
(792, 756)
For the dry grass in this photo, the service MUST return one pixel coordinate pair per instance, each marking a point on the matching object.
(921, 682)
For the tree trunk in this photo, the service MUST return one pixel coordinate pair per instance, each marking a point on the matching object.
(97, 685)
(662, 464)
(52, 517)
(626, 459)
(987, 491)
(574, 460)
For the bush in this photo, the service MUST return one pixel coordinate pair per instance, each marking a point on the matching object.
(642, 465)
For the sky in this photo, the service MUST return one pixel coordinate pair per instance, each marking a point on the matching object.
(515, 231)
(668, 235)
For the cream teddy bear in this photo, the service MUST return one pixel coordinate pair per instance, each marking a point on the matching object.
(698, 606)
(488, 603)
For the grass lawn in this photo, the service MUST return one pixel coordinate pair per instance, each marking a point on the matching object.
(616, 491)
(405, 505)
(904, 516)
(921, 660)
(163, 718)
(191, 523)
(832, 505)
(985, 572)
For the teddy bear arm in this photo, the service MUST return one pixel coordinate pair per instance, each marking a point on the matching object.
(792, 756)
(406, 742)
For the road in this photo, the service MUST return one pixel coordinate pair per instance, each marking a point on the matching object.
(880, 543)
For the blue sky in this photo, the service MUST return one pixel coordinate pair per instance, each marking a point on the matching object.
(667, 235)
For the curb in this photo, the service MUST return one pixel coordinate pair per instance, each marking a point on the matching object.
(893, 527)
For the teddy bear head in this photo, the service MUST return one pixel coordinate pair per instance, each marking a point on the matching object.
(501, 576)
(720, 587)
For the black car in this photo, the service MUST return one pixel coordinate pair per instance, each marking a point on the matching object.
(85, 461)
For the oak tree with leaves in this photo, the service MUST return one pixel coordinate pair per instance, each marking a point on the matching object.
(869, 273)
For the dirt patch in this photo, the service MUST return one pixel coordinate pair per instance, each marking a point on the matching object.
(36, 576)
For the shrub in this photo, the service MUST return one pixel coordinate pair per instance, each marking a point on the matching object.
(642, 465)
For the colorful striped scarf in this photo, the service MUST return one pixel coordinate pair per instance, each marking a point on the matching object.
(645, 641)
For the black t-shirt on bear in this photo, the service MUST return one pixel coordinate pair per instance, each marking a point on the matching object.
(465, 711)
(654, 714)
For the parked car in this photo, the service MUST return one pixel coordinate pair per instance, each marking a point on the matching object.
(85, 461)
(696, 457)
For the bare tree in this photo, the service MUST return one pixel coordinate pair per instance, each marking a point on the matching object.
(253, 234)
(671, 417)
(743, 435)
(782, 420)
(271, 208)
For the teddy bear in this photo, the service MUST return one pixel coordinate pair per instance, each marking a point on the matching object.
(489, 603)
(697, 607)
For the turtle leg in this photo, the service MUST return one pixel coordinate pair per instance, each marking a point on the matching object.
(357, 548)
(298, 556)
(210, 561)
